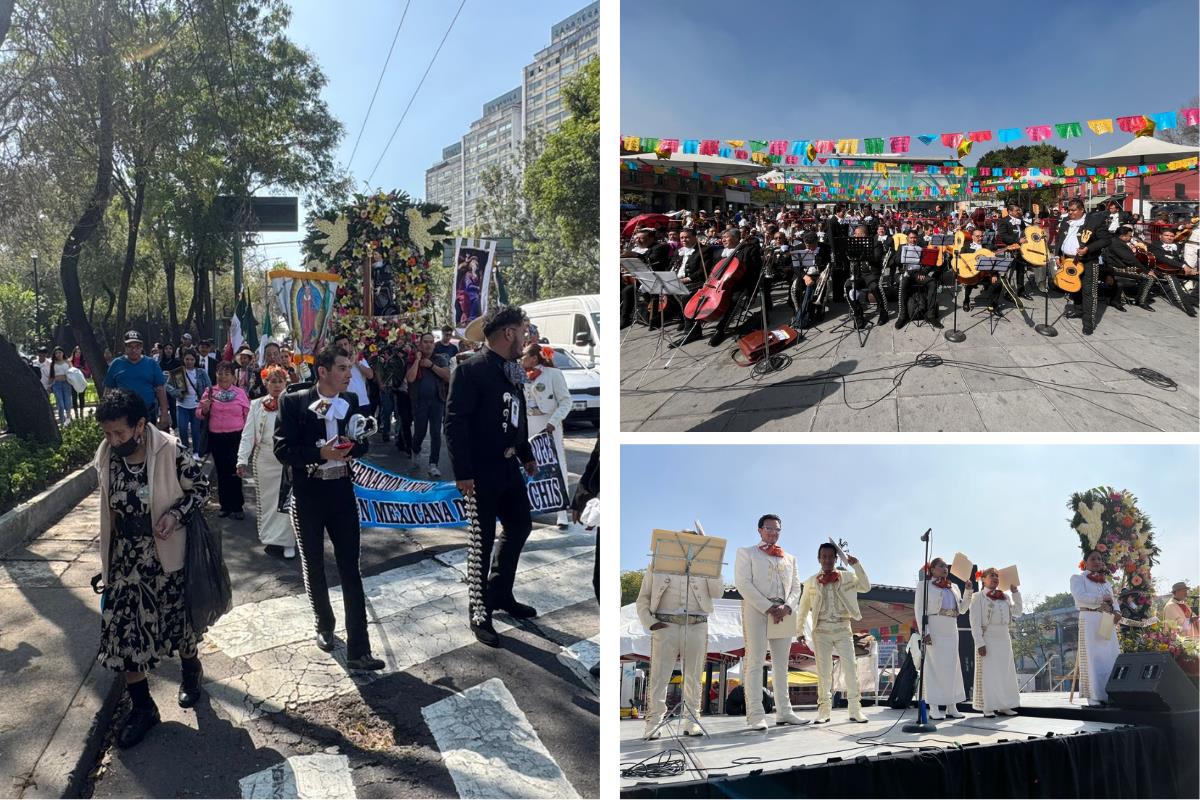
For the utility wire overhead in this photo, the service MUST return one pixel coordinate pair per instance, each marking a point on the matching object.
(378, 83)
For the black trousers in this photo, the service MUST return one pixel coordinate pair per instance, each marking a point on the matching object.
(492, 569)
(910, 285)
(224, 449)
(404, 420)
(321, 506)
(990, 292)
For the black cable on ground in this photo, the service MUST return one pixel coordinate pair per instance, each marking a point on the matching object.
(659, 765)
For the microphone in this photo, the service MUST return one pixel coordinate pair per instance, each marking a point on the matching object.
(925, 535)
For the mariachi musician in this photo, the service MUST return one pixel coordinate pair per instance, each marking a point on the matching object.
(836, 231)
(866, 281)
(1116, 216)
(749, 253)
(1008, 237)
(1120, 262)
(990, 293)
(1170, 255)
(804, 281)
(1083, 238)
(919, 278)
(691, 264)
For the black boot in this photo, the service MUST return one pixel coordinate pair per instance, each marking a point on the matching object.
(189, 687)
(142, 718)
(485, 633)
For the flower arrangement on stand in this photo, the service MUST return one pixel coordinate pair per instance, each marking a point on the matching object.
(404, 236)
(1110, 522)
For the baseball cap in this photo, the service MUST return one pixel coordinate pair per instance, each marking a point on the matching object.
(133, 336)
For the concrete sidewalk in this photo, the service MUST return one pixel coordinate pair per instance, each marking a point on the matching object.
(1009, 379)
(51, 688)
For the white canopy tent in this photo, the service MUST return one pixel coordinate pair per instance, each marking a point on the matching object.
(1140, 151)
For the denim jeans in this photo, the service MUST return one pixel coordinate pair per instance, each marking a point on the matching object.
(384, 415)
(428, 415)
(189, 428)
(62, 399)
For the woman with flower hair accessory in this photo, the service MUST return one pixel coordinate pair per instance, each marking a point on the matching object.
(256, 456)
(992, 611)
(1098, 647)
(943, 670)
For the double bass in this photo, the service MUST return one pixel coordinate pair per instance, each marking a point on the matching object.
(716, 295)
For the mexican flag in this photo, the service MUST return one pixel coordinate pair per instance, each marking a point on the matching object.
(243, 328)
(266, 333)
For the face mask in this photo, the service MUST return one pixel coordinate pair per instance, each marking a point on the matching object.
(126, 448)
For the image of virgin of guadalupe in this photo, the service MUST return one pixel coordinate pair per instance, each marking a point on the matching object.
(384, 296)
(468, 280)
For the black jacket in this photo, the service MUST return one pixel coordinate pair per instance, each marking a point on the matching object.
(485, 415)
(297, 431)
(1009, 232)
(1095, 230)
(1172, 258)
(695, 269)
(589, 482)
(836, 232)
(1118, 255)
(658, 257)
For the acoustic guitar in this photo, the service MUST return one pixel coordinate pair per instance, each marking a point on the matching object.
(964, 265)
(1069, 276)
(1033, 246)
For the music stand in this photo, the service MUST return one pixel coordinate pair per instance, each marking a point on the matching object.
(660, 284)
(1044, 327)
(677, 553)
(998, 265)
(954, 334)
(801, 261)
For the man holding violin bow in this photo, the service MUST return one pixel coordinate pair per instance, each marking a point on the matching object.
(691, 264)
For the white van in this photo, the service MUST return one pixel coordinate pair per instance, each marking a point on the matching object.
(572, 323)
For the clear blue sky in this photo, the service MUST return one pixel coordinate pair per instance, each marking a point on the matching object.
(809, 70)
(998, 504)
(484, 56)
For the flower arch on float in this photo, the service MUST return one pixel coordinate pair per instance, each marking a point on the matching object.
(1109, 521)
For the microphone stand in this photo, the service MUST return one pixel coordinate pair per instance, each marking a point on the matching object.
(923, 725)
(954, 334)
(1044, 327)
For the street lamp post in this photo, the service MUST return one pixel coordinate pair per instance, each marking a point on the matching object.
(37, 299)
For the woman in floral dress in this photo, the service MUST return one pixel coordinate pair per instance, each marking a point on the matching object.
(150, 485)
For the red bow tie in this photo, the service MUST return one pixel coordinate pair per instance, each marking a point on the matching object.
(995, 594)
(942, 583)
(271, 404)
(828, 577)
(1097, 577)
(772, 550)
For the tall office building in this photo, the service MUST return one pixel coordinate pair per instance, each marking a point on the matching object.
(495, 137)
(444, 182)
(573, 43)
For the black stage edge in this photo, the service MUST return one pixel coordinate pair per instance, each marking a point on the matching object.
(1134, 761)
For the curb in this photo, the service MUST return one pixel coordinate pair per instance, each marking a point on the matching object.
(64, 766)
(44, 509)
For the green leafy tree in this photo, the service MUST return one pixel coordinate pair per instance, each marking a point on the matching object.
(1028, 155)
(1060, 600)
(631, 584)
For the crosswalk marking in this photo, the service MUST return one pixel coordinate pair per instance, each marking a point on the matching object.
(489, 747)
(301, 777)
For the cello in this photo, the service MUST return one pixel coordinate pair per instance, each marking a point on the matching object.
(716, 295)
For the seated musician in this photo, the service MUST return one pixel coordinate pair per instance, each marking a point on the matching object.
(804, 283)
(1169, 254)
(691, 263)
(917, 279)
(991, 291)
(748, 252)
(1120, 262)
(864, 281)
(657, 257)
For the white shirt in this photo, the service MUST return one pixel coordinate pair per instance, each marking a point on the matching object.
(45, 367)
(331, 431)
(1114, 222)
(188, 398)
(833, 607)
(358, 384)
(727, 252)
(1070, 245)
(685, 253)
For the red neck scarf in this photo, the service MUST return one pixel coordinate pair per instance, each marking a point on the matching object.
(771, 549)
(828, 577)
(533, 374)
(1097, 577)
(1187, 610)
(941, 583)
(995, 594)
(270, 403)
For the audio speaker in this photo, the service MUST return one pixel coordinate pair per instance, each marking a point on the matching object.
(1150, 682)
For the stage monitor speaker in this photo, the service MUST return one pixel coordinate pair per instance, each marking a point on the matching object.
(1150, 682)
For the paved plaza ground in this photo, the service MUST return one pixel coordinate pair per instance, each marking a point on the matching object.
(1009, 379)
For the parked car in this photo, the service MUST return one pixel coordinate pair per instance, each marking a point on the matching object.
(584, 385)
(572, 323)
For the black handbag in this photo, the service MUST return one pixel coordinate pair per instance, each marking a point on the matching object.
(208, 591)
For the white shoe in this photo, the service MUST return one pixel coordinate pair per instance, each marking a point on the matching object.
(856, 715)
(692, 729)
(1008, 712)
(935, 714)
(953, 713)
(289, 552)
(651, 734)
(759, 724)
(989, 714)
(787, 718)
(434, 472)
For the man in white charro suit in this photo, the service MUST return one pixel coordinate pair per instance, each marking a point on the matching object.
(831, 598)
(673, 634)
(770, 587)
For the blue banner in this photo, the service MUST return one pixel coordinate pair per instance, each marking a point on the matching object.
(388, 500)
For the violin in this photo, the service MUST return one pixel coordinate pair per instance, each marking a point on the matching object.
(716, 295)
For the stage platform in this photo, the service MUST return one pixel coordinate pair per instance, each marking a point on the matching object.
(1020, 756)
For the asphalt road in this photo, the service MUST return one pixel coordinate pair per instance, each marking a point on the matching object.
(377, 722)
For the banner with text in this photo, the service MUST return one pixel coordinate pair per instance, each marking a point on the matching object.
(388, 500)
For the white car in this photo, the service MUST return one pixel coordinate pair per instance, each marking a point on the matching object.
(584, 385)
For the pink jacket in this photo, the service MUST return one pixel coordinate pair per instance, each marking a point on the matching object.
(225, 417)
